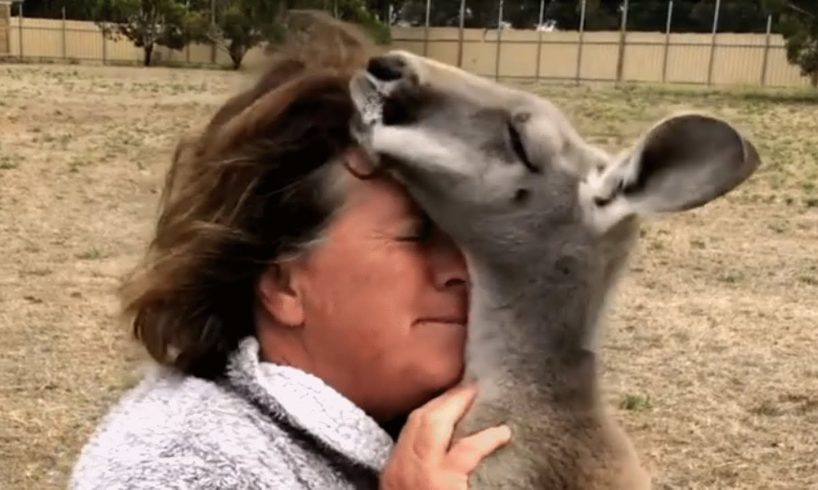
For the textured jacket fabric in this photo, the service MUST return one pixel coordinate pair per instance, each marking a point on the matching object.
(264, 426)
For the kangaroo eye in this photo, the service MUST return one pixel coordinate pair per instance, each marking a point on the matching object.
(519, 149)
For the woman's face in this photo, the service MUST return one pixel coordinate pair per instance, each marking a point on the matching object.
(381, 303)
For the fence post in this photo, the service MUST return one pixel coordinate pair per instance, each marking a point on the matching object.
(713, 43)
(64, 49)
(766, 50)
(539, 39)
(460, 34)
(499, 41)
(426, 28)
(20, 31)
(620, 62)
(667, 40)
(579, 46)
(213, 24)
(104, 47)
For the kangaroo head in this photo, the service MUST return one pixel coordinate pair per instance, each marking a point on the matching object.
(474, 152)
(507, 176)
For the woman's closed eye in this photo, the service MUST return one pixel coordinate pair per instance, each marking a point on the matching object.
(419, 231)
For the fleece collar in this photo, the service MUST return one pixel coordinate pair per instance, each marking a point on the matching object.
(307, 403)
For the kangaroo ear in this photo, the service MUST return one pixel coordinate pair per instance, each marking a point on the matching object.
(682, 163)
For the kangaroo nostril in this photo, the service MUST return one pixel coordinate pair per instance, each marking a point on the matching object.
(386, 68)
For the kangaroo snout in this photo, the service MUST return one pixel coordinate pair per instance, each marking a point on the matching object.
(387, 68)
(387, 90)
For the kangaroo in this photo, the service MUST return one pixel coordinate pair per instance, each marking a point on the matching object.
(546, 222)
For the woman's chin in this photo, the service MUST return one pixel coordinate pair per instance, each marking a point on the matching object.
(443, 376)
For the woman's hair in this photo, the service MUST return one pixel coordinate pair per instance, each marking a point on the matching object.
(248, 189)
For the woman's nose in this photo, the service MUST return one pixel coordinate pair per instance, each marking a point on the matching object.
(449, 268)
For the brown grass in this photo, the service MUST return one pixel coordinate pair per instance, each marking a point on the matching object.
(709, 355)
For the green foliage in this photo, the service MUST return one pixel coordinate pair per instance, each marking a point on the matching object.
(643, 15)
(53, 9)
(359, 12)
(146, 23)
(366, 13)
(637, 403)
(241, 25)
(238, 25)
(798, 23)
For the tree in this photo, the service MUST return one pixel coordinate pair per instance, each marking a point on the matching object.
(146, 23)
(798, 23)
(361, 12)
(599, 14)
(381, 8)
(237, 25)
(372, 15)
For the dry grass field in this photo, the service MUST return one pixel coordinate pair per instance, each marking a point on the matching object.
(709, 356)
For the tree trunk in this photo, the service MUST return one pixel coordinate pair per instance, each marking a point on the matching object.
(813, 79)
(148, 54)
(237, 52)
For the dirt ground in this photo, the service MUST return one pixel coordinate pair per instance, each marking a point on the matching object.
(709, 355)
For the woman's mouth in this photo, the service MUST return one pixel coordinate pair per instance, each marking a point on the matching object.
(452, 320)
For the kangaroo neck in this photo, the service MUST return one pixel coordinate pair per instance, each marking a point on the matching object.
(529, 321)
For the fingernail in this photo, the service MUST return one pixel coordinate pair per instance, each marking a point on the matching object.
(505, 431)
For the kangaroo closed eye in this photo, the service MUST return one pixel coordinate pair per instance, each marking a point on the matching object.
(519, 149)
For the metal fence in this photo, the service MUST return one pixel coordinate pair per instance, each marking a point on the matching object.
(35, 39)
(575, 53)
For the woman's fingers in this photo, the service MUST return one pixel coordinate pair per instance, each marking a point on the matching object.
(433, 424)
(424, 455)
(467, 453)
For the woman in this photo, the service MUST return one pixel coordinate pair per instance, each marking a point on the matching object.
(298, 312)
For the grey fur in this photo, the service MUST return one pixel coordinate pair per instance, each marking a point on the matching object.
(546, 235)
(263, 427)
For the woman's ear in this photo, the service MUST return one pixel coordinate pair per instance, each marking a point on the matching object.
(278, 296)
(359, 162)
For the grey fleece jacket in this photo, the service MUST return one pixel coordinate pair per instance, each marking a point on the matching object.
(266, 426)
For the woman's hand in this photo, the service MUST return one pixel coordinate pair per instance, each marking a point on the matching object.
(423, 459)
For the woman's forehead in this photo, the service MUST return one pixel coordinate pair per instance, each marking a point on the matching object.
(380, 195)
